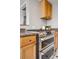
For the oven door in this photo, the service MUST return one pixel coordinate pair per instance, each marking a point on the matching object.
(47, 53)
(47, 43)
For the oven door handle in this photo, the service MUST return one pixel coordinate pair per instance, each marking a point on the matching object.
(42, 53)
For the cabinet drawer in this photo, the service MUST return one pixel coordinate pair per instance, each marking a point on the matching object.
(24, 41)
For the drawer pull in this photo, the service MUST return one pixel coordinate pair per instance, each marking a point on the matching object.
(30, 40)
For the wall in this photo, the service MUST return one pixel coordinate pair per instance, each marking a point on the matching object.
(34, 15)
(54, 21)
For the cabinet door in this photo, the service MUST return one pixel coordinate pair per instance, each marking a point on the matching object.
(28, 52)
(28, 47)
(49, 11)
(56, 40)
(44, 7)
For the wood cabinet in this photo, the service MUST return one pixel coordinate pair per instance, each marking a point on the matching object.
(55, 40)
(46, 10)
(28, 47)
(49, 11)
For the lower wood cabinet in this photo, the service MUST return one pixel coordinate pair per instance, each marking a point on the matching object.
(28, 51)
(55, 40)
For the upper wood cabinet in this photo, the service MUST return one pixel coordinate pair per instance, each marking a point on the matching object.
(49, 11)
(46, 10)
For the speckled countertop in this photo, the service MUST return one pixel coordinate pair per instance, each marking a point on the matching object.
(53, 29)
(26, 33)
(32, 32)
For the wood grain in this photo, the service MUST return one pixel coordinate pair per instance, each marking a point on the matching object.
(46, 9)
(24, 41)
(28, 47)
(55, 40)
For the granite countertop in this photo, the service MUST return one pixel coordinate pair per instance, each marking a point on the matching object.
(53, 29)
(26, 33)
(32, 32)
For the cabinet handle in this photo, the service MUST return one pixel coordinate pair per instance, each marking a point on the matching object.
(30, 40)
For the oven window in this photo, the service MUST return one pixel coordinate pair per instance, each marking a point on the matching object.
(47, 42)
